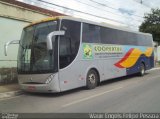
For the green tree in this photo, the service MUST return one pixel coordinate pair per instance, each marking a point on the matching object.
(151, 24)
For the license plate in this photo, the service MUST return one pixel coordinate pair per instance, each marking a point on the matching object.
(31, 88)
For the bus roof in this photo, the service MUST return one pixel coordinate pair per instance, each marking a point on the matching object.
(44, 20)
(87, 21)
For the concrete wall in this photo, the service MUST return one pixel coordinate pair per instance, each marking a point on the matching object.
(12, 20)
(20, 13)
(10, 29)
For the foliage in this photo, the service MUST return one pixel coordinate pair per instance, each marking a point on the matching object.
(151, 24)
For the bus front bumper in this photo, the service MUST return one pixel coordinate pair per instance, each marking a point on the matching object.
(41, 88)
(50, 87)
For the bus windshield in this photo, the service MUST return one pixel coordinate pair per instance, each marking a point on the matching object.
(33, 54)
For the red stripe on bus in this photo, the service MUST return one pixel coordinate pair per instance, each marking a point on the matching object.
(118, 64)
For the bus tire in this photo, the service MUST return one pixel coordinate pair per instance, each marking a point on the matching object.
(142, 69)
(92, 79)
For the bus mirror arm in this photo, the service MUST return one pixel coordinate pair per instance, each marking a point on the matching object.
(51, 35)
(8, 43)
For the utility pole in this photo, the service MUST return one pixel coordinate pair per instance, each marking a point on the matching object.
(142, 3)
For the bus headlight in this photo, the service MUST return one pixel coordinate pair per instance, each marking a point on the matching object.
(49, 79)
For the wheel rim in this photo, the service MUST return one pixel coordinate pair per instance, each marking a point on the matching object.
(92, 78)
(142, 70)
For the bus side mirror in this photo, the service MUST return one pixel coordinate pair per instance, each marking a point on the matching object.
(8, 43)
(51, 35)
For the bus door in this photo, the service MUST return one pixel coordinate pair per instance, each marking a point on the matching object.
(68, 50)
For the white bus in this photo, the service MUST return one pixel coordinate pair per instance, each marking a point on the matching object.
(64, 53)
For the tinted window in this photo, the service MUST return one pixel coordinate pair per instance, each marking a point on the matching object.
(144, 40)
(122, 37)
(33, 54)
(91, 33)
(98, 34)
(114, 36)
(131, 39)
(108, 36)
(150, 40)
(69, 43)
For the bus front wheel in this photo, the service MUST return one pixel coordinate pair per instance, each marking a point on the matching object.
(92, 79)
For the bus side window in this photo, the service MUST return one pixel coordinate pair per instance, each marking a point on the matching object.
(69, 43)
(91, 33)
(108, 35)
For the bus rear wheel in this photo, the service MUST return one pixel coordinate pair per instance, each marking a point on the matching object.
(92, 79)
(142, 69)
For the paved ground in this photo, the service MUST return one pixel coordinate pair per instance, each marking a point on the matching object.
(9, 87)
(125, 94)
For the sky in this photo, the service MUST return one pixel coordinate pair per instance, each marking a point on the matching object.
(123, 13)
